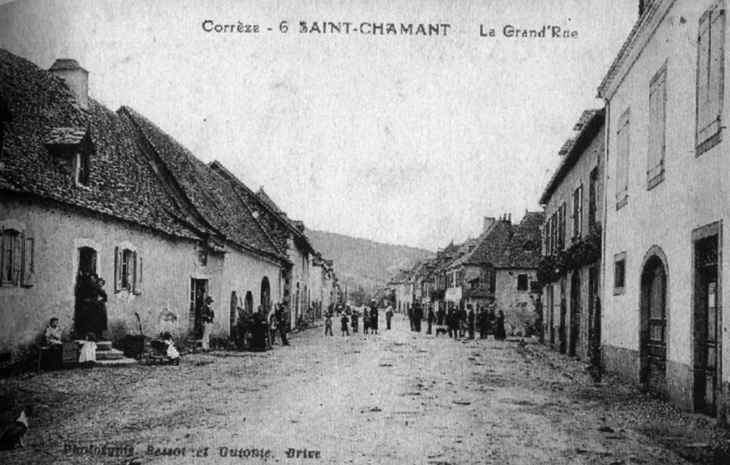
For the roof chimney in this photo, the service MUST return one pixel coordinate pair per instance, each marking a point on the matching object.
(642, 7)
(76, 77)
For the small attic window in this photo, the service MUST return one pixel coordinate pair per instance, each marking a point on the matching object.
(72, 148)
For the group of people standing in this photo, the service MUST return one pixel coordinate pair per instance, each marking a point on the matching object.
(351, 318)
(90, 318)
(460, 322)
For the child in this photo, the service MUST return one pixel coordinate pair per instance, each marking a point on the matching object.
(328, 325)
(345, 329)
(170, 349)
(87, 356)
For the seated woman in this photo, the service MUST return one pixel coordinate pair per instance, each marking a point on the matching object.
(87, 355)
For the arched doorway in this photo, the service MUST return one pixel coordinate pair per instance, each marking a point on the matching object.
(265, 295)
(85, 292)
(575, 311)
(653, 348)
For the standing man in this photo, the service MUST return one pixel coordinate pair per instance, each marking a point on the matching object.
(281, 324)
(417, 316)
(431, 318)
(410, 317)
(470, 320)
(388, 315)
(207, 317)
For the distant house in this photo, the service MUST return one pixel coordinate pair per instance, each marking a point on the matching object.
(85, 191)
(667, 203)
(573, 202)
(501, 271)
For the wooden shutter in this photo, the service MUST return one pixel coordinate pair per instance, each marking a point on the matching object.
(28, 277)
(140, 276)
(117, 269)
(17, 254)
(715, 87)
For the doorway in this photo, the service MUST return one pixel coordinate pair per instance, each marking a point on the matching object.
(198, 291)
(653, 349)
(575, 311)
(706, 325)
(85, 292)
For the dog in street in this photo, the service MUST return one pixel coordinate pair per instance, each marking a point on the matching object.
(14, 434)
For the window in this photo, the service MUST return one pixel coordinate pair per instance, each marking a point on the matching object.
(593, 198)
(657, 128)
(127, 270)
(710, 63)
(619, 273)
(83, 168)
(578, 212)
(622, 161)
(522, 282)
(561, 227)
(17, 267)
(202, 257)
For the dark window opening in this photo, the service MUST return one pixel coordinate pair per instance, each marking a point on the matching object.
(619, 273)
(522, 282)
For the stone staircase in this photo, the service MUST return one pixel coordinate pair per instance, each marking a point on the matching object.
(106, 356)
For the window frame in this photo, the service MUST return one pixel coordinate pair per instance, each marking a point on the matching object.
(623, 155)
(619, 264)
(704, 142)
(657, 146)
(526, 279)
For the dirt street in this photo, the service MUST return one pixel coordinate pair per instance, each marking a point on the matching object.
(398, 397)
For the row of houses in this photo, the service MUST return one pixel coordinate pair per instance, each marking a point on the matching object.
(635, 214)
(628, 264)
(86, 192)
(496, 271)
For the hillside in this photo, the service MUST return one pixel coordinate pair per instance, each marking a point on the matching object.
(362, 262)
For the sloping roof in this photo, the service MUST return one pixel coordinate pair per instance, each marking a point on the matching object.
(121, 183)
(589, 127)
(296, 226)
(524, 248)
(510, 246)
(492, 246)
(206, 190)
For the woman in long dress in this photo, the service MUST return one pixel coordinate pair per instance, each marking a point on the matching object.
(499, 331)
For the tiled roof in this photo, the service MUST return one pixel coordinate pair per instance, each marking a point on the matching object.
(588, 127)
(510, 246)
(297, 227)
(205, 189)
(121, 183)
(524, 248)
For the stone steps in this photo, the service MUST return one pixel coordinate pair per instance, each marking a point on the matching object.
(110, 354)
(122, 362)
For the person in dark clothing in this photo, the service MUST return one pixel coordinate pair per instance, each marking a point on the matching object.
(455, 323)
(462, 322)
(431, 318)
(345, 329)
(374, 318)
(365, 320)
(281, 324)
(259, 329)
(440, 315)
(499, 332)
(483, 322)
(355, 317)
(470, 321)
(410, 318)
(417, 316)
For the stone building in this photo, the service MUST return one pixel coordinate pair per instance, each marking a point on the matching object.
(573, 202)
(667, 202)
(87, 191)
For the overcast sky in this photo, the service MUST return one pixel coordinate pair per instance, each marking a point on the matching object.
(396, 138)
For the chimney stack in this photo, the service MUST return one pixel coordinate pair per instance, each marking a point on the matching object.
(488, 222)
(76, 78)
(642, 7)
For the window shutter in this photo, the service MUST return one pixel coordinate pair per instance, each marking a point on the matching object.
(17, 255)
(28, 277)
(117, 269)
(130, 256)
(140, 276)
(717, 36)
